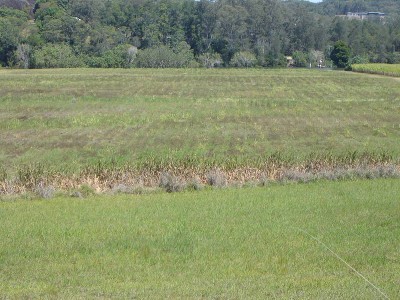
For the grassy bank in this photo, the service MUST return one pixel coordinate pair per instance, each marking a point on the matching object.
(381, 69)
(247, 243)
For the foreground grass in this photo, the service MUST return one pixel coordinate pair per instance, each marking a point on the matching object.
(68, 119)
(213, 244)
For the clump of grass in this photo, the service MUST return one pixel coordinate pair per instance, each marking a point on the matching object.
(3, 174)
(389, 171)
(385, 171)
(296, 176)
(334, 175)
(195, 184)
(217, 178)
(76, 194)
(45, 191)
(30, 175)
(263, 181)
(171, 183)
(8, 187)
(86, 191)
(122, 188)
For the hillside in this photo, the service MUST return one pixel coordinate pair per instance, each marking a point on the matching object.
(189, 33)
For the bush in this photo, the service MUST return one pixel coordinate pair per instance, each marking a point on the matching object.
(165, 57)
(300, 59)
(195, 184)
(393, 58)
(216, 178)
(22, 56)
(84, 191)
(243, 59)
(56, 56)
(359, 60)
(171, 183)
(210, 60)
(122, 56)
(43, 191)
(274, 60)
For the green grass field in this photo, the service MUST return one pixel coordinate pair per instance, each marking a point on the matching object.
(62, 121)
(381, 69)
(217, 244)
(71, 131)
(69, 118)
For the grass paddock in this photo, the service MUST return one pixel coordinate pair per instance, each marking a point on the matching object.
(231, 243)
(70, 118)
(68, 127)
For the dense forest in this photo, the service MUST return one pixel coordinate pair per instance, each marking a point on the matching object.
(183, 33)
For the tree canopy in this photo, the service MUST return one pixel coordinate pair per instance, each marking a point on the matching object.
(99, 33)
(340, 54)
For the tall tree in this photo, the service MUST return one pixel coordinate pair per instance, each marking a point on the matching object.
(340, 54)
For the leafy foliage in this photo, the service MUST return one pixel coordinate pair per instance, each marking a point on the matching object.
(340, 54)
(164, 57)
(267, 29)
(210, 60)
(55, 56)
(244, 59)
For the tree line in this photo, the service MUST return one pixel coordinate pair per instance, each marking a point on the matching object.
(184, 33)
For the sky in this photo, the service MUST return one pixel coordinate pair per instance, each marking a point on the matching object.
(315, 1)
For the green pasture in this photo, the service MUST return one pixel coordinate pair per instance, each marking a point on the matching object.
(67, 118)
(381, 69)
(214, 244)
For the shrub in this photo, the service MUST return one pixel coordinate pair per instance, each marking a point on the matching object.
(359, 60)
(300, 59)
(122, 56)
(124, 189)
(243, 59)
(275, 60)
(55, 56)
(210, 60)
(393, 58)
(22, 56)
(171, 183)
(216, 178)
(165, 57)
(297, 176)
(85, 191)
(44, 191)
(195, 184)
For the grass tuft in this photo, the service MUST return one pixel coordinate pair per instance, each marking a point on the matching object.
(195, 184)
(45, 191)
(216, 178)
(171, 183)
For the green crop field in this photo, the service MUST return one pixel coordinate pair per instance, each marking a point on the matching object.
(381, 69)
(187, 121)
(251, 243)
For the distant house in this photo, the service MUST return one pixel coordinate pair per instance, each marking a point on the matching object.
(376, 15)
(372, 15)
